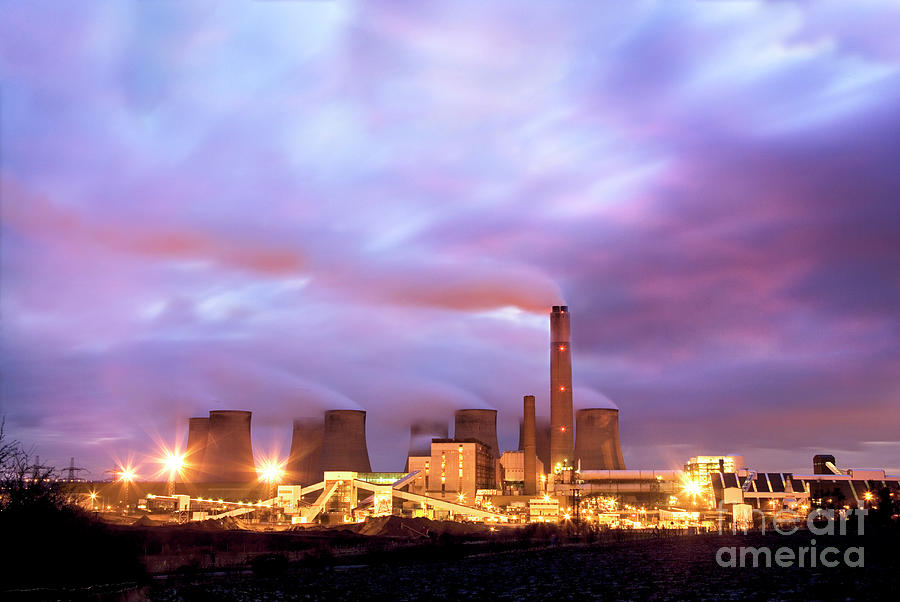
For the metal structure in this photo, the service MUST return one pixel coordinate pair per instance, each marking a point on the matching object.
(71, 469)
(480, 425)
(228, 457)
(597, 444)
(195, 452)
(529, 447)
(304, 464)
(344, 441)
(561, 427)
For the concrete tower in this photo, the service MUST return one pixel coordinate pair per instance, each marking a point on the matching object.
(597, 444)
(229, 454)
(480, 425)
(198, 434)
(344, 441)
(542, 438)
(561, 432)
(529, 448)
(305, 462)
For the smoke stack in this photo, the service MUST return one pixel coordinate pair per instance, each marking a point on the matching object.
(530, 447)
(344, 441)
(561, 433)
(198, 434)
(480, 425)
(229, 454)
(542, 439)
(304, 463)
(597, 445)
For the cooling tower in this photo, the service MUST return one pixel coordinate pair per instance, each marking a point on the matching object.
(229, 455)
(198, 433)
(561, 434)
(480, 425)
(597, 445)
(344, 441)
(304, 465)
(529, 449)
(542, 439)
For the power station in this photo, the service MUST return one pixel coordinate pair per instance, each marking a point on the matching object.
(219, 446)
(563, 466)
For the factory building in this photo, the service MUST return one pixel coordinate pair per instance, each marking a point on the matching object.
(512, 471)
(456, 469)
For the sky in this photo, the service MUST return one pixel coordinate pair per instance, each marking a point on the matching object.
(293, 206)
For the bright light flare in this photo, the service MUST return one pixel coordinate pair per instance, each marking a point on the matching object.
(271, 471)
(127, 474)
(692, 488)
(174, 463)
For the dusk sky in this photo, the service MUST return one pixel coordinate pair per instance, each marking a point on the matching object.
(293, 206)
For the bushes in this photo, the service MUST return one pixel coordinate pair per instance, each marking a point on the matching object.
(47, 540)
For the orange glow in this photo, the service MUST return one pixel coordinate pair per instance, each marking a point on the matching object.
(562, 429)
(562, 388)
(127, 474)
(270, 471)
(562, 347)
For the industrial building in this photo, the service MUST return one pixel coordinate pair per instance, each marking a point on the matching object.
(573, 461)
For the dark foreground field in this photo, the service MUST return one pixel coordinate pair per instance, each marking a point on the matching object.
(682, 568)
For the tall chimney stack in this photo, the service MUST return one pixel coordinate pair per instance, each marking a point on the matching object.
(530, 447)
(562, 444)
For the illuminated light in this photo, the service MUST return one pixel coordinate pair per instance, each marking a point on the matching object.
(566, 516)
(173, 463)
(93, 495)
(461, 497)
(868, 496)
(562, 429)
(127, 475)
(692, 487)
(562, 387)
(271, 471)
(562, 347)
(546, 498)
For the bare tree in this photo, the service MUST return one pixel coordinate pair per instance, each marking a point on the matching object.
(23, 480)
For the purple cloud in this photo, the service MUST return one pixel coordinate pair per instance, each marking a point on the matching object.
(285, 207)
